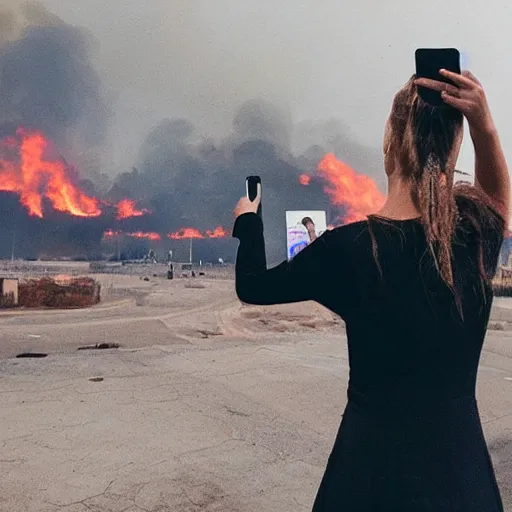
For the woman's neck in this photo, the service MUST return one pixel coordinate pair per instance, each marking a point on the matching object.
(399, 204)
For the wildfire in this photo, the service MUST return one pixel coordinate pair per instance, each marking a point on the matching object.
(27, 172)
(185, 233)
(110, 233)
(126, 209)
(189, 233)
(357, 193)
(148, 236)
(182, 234)
(34, 178)
(304, 179)
(218, 232)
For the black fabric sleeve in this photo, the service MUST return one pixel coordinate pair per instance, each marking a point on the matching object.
(301, 279)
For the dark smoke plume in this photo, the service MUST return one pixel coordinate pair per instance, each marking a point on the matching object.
(47, 83)
(188, 181)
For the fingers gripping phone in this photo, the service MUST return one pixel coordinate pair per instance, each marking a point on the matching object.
(252, 183)
(428, 63)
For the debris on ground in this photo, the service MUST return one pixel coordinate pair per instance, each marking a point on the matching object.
(34, 355)
(100, 346)
(206, 333)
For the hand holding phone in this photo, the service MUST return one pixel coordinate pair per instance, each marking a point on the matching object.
(252, 187)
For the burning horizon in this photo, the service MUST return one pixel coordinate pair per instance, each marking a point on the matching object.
(126, 209)
(192, 233)
(25, 170)
(356, 193)
(55, 103)
(182, 234)
(33, 178)
(154, 237)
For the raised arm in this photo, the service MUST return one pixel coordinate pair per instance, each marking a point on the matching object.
(301, 279)
(491, 170)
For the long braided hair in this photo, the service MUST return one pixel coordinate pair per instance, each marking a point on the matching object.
(423, 138)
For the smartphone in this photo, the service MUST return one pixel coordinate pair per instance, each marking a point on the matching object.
(251, 187)
(428, 63)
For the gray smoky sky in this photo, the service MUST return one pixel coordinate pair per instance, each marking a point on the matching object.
(200, 59)
(173, 103)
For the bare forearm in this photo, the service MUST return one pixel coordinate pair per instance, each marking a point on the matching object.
(491, 170)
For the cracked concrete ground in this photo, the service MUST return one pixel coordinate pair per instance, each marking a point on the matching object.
(204, 408)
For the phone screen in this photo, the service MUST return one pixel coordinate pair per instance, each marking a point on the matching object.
(428, 63)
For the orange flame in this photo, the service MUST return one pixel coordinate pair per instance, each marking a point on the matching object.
(126, 209)
(218, 232)
(110, 233)
(304, 179)
(35, 178)
(357, 193)
(188, 233)
(185, 233)
(148, 236)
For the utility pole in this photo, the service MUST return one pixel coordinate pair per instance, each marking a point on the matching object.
(13, 235)
(118, 252)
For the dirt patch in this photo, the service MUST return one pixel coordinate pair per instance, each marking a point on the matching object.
(289, 318)
(496, 326)
(194, 285)
(251, 315)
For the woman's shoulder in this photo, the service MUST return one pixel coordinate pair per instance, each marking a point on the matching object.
(346, 234)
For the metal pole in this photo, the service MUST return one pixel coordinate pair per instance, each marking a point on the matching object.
(13, 235)
(190, 251)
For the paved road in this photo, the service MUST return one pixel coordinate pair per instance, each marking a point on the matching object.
(196, 423)
(163, 312)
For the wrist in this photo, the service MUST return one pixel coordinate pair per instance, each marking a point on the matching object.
(487, 128)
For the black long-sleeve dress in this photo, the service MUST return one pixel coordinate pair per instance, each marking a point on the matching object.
(411, 438)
